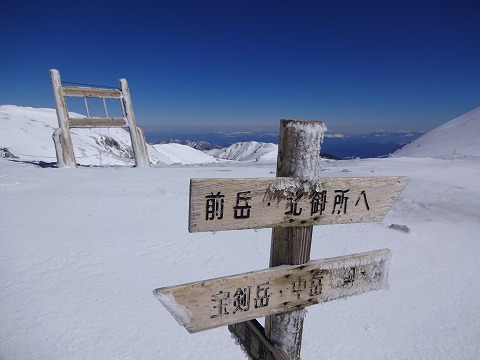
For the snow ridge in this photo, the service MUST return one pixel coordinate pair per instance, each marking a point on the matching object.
(457, 137)
(247, 151)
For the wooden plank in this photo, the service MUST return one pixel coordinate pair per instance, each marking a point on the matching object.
(62, 137)
(217, 302)
(137, 136)
(230, 204)
(85, 91)
(97, 122)
(251, 335)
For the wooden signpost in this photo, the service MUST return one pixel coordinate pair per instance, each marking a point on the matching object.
(290, 204)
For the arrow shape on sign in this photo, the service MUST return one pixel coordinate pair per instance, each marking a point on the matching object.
(228, 300)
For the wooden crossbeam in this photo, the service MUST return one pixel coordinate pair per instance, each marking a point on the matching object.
(83, 91)
(97, 122)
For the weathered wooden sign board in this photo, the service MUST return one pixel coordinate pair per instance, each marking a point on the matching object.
(229, 204)
(217, 302)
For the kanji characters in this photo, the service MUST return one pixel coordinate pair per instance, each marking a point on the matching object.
(241, 299)
(316, 282)
(318, 202)
(242, 208)
(221, 300)
(262, 295)
(298, 286)
(214, 206)
(340, 201)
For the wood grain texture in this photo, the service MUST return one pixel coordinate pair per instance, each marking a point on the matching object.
(97, 122)
(298, 157)
(269, 202)
(136, 134)
(84, 91)
(62, 137)
(252, 336)
(222, 301)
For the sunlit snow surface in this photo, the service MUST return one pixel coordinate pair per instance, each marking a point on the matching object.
(82, 249)
(460, 136)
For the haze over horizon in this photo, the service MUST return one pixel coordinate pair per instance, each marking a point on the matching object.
(212, 65)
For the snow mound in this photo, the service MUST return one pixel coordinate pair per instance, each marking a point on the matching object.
(183, 154)
(247, 151)
(456, 137)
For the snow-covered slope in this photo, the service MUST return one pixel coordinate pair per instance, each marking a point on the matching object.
(247, 151)
(27, 133)
(183, 154)
(460, 136)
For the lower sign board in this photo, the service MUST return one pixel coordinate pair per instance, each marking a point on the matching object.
(223, 301)
(230, 204)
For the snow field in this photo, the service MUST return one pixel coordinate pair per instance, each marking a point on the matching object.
(82, 250)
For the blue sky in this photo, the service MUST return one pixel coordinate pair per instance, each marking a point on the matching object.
(359, 66)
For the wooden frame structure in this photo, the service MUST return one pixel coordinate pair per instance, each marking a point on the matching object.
(62, 137)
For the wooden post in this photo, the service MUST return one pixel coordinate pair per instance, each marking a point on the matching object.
(298, 157)
(251, 336)
(62, 137)
(136, 135)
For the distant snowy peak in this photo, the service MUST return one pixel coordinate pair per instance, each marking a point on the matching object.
(199, 145)
(334, 136)
(247, 151)
(183, 154)
(459, 137)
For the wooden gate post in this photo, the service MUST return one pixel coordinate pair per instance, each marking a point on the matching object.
(136, 134)
(298, 157)
(61, 137)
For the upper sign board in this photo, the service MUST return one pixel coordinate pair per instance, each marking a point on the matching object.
(217, 302)
(231, 204)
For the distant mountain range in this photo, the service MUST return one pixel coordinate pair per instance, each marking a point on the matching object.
(247, 151)
(26, 135)
(377, 144)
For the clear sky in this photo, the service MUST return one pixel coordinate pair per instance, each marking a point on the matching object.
(359, 66)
